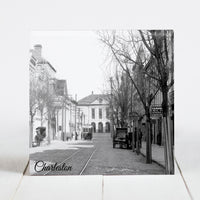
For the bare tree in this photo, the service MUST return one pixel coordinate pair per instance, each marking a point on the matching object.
(160, 45)
(42, 99)
(32, 106)
(127, 50)
(49, 96)
(38, 99)
(121, 98)
(42, 92)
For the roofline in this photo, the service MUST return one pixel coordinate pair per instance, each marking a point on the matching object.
(46, 62)
(93, 104)
(102, 96)
(51, 66)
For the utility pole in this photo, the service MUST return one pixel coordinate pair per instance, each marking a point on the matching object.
(111, 117)
(65, 122)
(62, 128)
(132, 119)
(49, 114)
(70, 120)
(79, 119)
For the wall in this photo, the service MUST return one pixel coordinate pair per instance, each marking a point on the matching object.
(87, 110)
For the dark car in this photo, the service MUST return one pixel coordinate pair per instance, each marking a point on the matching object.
(87, 132)
(122, 138)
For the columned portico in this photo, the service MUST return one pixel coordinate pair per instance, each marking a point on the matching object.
(95, 108)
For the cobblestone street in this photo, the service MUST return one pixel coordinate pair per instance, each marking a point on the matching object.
(96, 157)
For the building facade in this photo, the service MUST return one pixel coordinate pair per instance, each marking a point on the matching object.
(50, 105)
(41, 75)
(94, 110)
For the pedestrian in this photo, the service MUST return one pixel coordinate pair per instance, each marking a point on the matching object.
(76, 135)
(135, 137)
(159, 138)
(140, 138)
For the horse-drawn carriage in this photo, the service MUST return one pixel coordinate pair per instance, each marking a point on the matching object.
(40, 135)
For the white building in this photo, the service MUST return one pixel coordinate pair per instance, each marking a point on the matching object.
(94, 110)
(66, 116)
(50, 105)
(42, 76)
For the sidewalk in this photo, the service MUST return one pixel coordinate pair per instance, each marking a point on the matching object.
(157, 153)
(59, 144)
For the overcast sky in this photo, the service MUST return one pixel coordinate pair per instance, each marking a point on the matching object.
(78, 56)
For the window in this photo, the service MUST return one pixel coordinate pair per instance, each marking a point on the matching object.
(107, 113)
(100, 100)
(100, 113)
(93, 113)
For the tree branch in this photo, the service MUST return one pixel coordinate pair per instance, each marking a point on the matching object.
(170, 84)
(153, 96)
(145, 43)
(129, 76)
(151, 76)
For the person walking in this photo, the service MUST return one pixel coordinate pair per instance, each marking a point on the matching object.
(135, 138)
(76, 136)
(159, 138)
(140, 138)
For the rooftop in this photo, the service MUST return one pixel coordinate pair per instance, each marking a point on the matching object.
(91, 98)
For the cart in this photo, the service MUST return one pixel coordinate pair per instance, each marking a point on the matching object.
(121, 137)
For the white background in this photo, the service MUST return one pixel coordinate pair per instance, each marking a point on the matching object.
(18, 18)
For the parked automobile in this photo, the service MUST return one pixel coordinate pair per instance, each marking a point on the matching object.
(122, 138)
(87, 132)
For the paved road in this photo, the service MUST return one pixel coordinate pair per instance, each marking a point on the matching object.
(97, 157)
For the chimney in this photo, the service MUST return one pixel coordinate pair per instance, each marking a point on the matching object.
(37, 52)
(92, 92)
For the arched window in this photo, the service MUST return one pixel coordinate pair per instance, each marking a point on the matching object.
(100, 127)
(94, 127)
(107, 127)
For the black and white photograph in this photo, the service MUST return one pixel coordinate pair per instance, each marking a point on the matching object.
(87, 100)
(101, 102)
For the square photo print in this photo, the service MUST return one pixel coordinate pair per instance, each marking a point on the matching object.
(101, 102)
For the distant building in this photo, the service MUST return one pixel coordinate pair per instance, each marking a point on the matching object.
(59, 114)
(52, 106)
(42, 75)
(38, 65)
(94, 110)
(66, 117)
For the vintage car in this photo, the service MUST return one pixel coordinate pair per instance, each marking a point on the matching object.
(122, 138)
(87, 132)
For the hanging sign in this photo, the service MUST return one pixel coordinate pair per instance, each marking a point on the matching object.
(156, 110)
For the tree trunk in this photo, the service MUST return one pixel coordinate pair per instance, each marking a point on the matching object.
(41, 119)
(148, 138)
(112, 127)
(169, 161)
(133, 140)
(49, 128)
(30, 131)
(137, 141)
